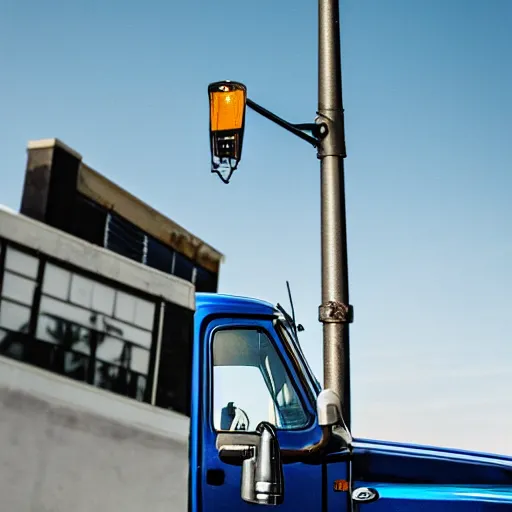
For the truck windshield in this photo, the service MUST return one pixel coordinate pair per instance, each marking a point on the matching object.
(287, 333)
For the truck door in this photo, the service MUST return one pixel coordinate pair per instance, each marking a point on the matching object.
(247, 377)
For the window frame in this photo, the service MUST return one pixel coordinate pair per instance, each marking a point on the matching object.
(289, 367)
(43, 259)
(294, 349)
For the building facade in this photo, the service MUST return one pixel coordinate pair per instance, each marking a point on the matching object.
(62, 191)
(96, 285)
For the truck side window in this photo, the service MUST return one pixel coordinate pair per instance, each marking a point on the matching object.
(251, 383)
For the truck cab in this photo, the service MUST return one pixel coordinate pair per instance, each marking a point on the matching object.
(246, 357)
(250, 378)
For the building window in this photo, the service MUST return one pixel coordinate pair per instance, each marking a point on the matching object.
(205, 280)
(83, 329)
(159, 256)
(124, 238)
(183, 267)
(103, 335)
(18, 287)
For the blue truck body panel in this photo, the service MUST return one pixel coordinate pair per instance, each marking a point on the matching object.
(414, 477)
(415, 464)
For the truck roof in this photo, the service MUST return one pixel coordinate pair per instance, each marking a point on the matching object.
(234, 303)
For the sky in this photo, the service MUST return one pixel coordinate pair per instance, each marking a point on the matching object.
(426, 87)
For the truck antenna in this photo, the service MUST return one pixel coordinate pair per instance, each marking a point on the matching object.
(296, 328)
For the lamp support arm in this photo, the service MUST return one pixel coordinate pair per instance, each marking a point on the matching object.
(319, 131)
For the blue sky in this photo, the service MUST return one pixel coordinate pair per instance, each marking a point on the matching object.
(428, 108)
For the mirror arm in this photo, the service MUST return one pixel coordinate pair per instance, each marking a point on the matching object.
(235, 453)
(329, 416)
(305, 454)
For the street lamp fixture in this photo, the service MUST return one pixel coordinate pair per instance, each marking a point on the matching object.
(227, 120)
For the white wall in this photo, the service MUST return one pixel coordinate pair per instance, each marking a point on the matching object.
(65, 446)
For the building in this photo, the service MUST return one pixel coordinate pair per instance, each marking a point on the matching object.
(97, 286)
(63, 192)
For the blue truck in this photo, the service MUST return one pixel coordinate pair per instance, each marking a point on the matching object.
(306, 459)
(302, 455)
(252, 426)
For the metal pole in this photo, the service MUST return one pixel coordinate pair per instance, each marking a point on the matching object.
(158, 351)
(335, 312)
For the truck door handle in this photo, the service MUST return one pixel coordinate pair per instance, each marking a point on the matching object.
(215, 477)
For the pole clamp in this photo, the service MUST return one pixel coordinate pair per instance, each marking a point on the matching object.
(334, 312)
(333, 122)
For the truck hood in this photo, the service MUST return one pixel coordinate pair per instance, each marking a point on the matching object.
(408, 476)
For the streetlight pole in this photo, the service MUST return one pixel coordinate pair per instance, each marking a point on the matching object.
(335, 313)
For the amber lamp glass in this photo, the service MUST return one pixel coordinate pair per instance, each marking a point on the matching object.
(227, 106)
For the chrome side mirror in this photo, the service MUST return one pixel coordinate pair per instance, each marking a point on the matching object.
(328, 406)
(262, 469)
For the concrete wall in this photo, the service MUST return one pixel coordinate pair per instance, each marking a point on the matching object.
(67, 447)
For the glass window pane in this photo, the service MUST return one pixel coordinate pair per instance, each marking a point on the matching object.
(140, 387)
(56, 281)
(67, 312)
(124, 238)
(75, 365)
(21, 262)
(112, 350)
(251, 383)
(183, 267)
(205, 280)
(119, 353)
(230, 400)
(140, 360)
(125, 307)
(159, 256)
(119, 380)
(61, 332)
(81, 291)
(103, 299)
(12, 344)
(18, 288)
(14, 317)
(144, 313)
(128, 332)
